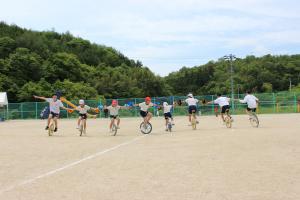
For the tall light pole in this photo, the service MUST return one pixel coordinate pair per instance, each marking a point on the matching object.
(231, 57)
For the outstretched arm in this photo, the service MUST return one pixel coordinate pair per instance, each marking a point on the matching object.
(38, 97)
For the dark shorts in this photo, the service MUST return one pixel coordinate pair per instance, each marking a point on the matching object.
(143, 113)
(224, 108)
(168, 115)
(113, 116)
(192, 108)
(54, 114)
(251, 109)
(83, 116)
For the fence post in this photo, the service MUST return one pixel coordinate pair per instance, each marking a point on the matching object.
(7, 112)
(135, 111)
(100, 103)
(212, 105)
(295, 102)
(274, 102)
(36, 112)
(21, 110)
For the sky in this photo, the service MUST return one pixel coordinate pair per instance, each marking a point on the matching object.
(166, 35)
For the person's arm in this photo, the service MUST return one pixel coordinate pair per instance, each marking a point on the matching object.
(63, 107)
(42, 98)
(243, 101)
(125, 107)
(210, 102)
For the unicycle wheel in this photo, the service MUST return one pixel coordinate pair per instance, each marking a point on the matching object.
(145, 128)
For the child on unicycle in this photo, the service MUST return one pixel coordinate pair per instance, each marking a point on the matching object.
(54, 105)
(167, 114)
(114, 113)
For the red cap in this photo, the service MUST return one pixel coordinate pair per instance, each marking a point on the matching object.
(147, 99)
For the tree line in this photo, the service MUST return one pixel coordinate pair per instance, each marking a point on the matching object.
(33, 62)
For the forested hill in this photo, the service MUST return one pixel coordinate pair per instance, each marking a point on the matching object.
(259, 74)
(33, 62)
(40, 63)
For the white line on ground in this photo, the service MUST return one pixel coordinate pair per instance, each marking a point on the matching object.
(69, 165)
(31, 180)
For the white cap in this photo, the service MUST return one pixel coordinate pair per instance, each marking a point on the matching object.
(81, 101)
(190, 95)
(165, 104)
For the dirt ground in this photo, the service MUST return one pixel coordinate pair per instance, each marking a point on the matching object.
(211, 163)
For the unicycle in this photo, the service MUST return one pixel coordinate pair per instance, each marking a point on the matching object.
(253, 120)
(51, 127)
(81, 127)
(169, 126)
(194, 121)
(145, 128)
(228, 119)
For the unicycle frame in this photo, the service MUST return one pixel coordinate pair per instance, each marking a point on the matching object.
(254, 121)
(193, 120)
(228, 120)
(169, 124)
(114, 127)
(51, 127)
(81, 126)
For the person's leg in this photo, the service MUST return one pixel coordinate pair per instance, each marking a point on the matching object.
(222, 115)
(56, 123)
(84, 123)
(111, 123)
(148, 117)
(78, 122)
(48, 122)
(49, 118)
(118, 122)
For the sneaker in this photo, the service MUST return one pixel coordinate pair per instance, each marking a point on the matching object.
(47, 127)
(197, 122)
(166, 129)
(55, 130)
(118, 127)
(77, 127)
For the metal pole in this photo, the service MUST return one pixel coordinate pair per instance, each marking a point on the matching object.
(231, 82)
(36, 113)
(230, 57)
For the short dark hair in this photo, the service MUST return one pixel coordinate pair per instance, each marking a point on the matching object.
(248, 91)
(219, 94)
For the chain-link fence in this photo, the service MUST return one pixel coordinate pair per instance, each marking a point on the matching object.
(269, 103)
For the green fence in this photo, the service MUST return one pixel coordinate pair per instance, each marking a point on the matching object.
(269, 103)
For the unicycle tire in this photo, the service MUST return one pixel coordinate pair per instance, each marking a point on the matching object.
(146, 129)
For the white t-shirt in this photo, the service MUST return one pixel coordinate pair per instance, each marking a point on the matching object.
(191, 101)
(250, 100)
(84, 109)
(54, 105)
(144, 107)
(114, 110)
(222, 101)
(167, 108)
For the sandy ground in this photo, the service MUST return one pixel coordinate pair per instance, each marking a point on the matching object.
(211, 163)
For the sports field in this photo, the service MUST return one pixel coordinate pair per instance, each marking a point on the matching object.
(211, 163)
